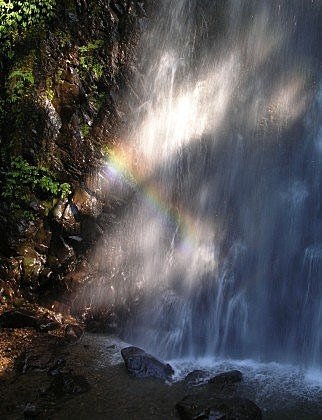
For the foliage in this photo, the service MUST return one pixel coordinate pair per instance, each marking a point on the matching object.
(88, 59)
(64, 38)
(17, 17)
(2, 110)
(84, 129)
(24, 180)
(49, 89)
(19, 83)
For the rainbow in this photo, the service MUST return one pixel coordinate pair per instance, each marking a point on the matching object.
(121, 167)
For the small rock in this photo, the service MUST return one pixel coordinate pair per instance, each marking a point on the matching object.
(204, 407)
(31, 410)
(86, 203)
(73, 332)
(68, 384)
(56, 369)
(50, 325)
(143, 365)
(196, 377)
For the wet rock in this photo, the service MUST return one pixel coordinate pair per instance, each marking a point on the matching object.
(60, 252)
(32, 262)
(53, 122)
(27, 319)
(59, 209)
(79, 275)
(31, 410)
(10, 269)
(6, 291)
(64, 215)
(91, 231)
(73, 332)
(143, 365)
(67, 384)
(48, 325)
(42, 240)
(22, 231)
(226, 378)
(57, 368)
(37, 206)
(205, 407)
(97, 183)
(18, 319)
(86, 203)
(196, 377)
(101, 321)
(71, 219)
(75, 238)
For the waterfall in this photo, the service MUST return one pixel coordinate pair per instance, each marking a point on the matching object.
(220, 250)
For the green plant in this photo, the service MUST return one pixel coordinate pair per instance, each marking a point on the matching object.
(84, 129)
(49, 89)
(2, 110)
(19, 83)
(24, 181)
(18, 17)
(64, 38)
(88, 58)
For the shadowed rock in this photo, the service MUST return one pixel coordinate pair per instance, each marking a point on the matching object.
(143, 365)
(31, 410)
(64, 384)
(196, 377)
(205, 407)
(27, 319)
(227, 378)
(18, 319)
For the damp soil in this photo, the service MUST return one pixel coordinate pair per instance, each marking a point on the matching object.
(26, 357)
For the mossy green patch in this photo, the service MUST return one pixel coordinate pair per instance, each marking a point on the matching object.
(24, 181)
(89, 60)
(21, 80)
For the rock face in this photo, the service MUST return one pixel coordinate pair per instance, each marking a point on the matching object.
(207, 407)
(73, 76)
(143, 365)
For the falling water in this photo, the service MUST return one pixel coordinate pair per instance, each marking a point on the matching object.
(219, 251)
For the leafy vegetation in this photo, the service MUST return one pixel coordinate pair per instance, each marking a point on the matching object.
(24, 181)
(88, 59)
(85, 129)
(49, 89)
(18, 17)
(19, 83)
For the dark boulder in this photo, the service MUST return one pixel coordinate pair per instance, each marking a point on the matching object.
(226, 378)
(143, 365)
(18, 319)
(68, 384)
(225, 384)
(196, 377)
(31, 410)
(28, 319)
(205, 407)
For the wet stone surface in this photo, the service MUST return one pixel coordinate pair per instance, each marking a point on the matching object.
(203, 406)
(143, 365)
